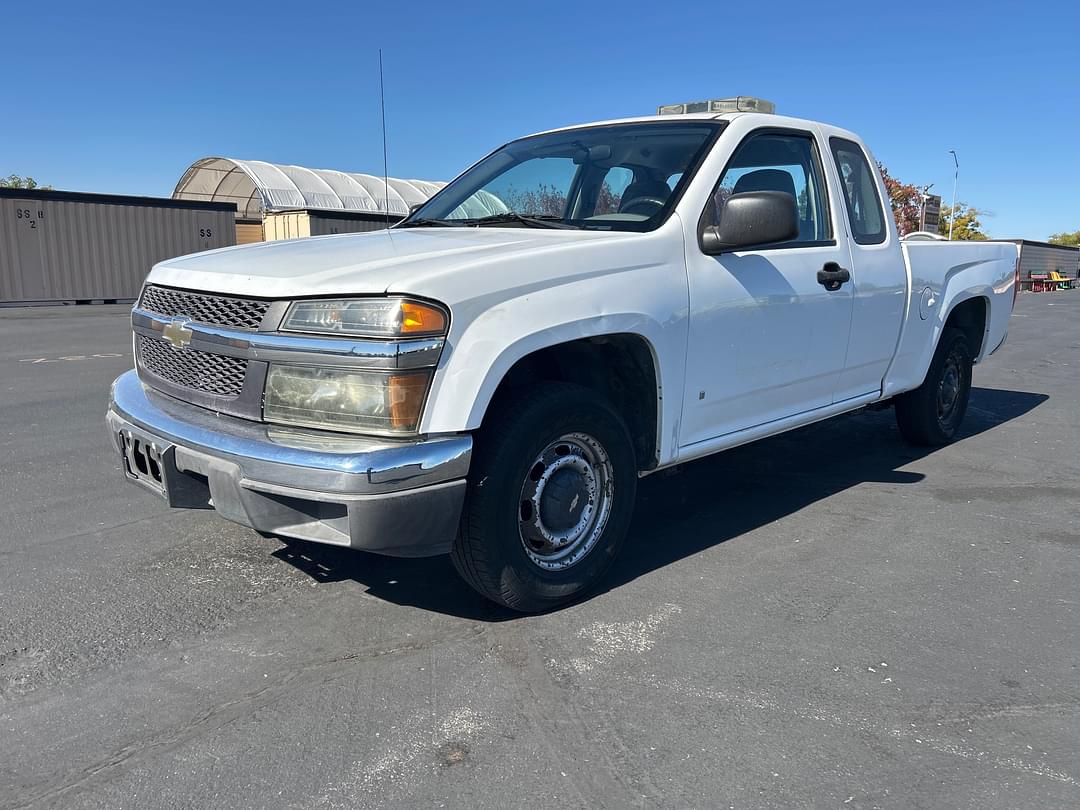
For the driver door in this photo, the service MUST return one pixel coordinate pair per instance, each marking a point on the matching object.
(766, 339)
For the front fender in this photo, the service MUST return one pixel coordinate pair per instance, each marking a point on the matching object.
(478, 358)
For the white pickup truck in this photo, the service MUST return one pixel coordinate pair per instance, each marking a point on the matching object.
(580, 308)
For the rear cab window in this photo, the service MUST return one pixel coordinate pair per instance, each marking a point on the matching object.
(865, 214)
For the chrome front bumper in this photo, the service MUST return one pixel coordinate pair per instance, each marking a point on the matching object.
(398, 498)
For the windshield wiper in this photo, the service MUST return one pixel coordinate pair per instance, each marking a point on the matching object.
(532, 220)
(425, 223)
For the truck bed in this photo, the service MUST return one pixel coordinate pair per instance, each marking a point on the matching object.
(940, 276)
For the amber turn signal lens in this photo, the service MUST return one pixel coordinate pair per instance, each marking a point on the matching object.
(406, 397)
(421, 319)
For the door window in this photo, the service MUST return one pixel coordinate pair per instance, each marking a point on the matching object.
(610, 194)
(778, 162)
(860, 193)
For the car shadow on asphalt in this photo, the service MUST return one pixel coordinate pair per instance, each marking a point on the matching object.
(696, 506)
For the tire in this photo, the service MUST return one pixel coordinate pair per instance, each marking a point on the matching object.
(931, 414)
(549, 497)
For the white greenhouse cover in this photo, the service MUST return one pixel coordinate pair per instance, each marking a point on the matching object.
(481, 204)
(257, 187)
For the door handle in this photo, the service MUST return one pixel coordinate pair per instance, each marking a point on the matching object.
(832, 276)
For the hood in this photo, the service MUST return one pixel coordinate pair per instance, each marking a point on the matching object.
(362, 263)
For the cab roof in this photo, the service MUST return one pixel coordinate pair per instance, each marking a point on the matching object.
(766, 119)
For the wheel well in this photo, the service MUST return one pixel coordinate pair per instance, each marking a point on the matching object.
(620, 367)
(970, 317)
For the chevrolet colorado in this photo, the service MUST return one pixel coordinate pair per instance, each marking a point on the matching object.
(580, 308)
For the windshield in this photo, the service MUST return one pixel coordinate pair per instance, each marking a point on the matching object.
(618, 177)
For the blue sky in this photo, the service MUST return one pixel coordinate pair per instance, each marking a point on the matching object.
(122, 97)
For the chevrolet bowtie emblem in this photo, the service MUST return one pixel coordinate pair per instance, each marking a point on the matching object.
(177, 332)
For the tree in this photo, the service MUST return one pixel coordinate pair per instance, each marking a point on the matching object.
(1070, 239)
(906, 202)
(14, 181)
(549, 201)
(967, 225)
(542, 200)
(607, 201)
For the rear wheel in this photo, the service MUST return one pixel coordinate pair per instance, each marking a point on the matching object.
(550, 496)
(932, 413)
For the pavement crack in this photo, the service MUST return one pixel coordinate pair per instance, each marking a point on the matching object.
(228, 712)
(554, 716)
(905, 735)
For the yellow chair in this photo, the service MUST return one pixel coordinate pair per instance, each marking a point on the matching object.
(1062, 282)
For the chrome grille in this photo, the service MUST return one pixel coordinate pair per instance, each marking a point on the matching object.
(199, 371)
(217, 310)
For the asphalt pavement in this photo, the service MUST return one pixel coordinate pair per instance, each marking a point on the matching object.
(828, 618)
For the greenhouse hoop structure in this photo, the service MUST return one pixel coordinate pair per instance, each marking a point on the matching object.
(257, 187)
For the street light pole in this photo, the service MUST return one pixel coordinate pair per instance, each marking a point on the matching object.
(952, 208)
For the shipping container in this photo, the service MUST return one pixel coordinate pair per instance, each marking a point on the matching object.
(71, 246)
(1043, 257)
(309, 222)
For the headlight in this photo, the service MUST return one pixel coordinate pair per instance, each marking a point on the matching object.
(346, 400)
(366, 317)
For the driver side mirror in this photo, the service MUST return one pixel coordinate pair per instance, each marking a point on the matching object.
(751, 218)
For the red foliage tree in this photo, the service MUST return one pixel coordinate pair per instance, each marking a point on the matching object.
(906, 202)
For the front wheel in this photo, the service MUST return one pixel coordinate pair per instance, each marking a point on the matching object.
(932, 413)
(549, 500)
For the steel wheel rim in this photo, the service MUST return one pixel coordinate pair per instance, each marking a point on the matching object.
(565, 501)
(949, 389)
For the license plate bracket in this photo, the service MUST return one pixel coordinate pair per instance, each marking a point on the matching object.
(143, 461)
(151, 463)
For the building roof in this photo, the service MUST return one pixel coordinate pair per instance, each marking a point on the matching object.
(1040, 244)
(55, 195)
(256, 187)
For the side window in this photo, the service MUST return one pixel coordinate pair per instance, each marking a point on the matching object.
(860, 193)
(778, 162)
(615, 182)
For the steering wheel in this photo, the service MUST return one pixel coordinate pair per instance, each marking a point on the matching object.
(624, 208)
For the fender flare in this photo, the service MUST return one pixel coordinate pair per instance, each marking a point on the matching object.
(983, 291)
(634, 324)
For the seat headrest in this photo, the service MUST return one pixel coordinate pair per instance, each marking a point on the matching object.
(765, 180)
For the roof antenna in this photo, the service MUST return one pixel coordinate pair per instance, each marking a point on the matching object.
(385, 172)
